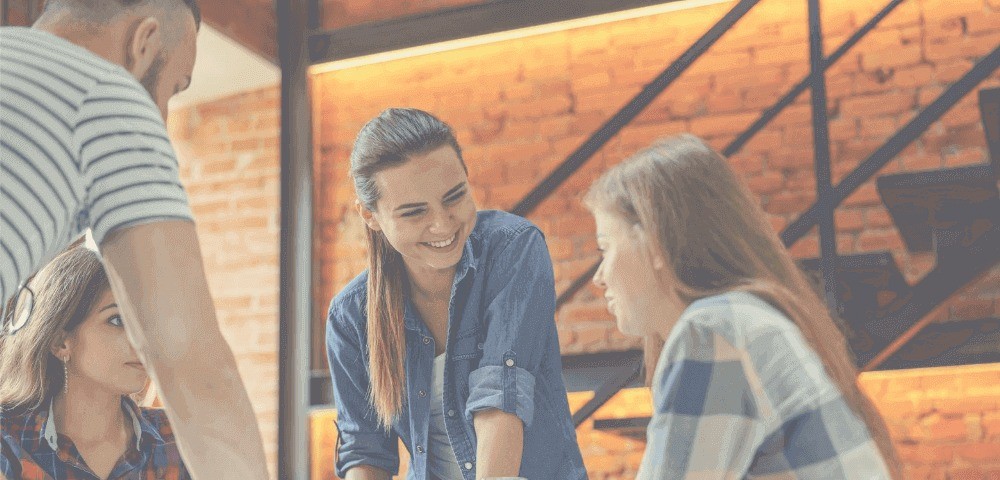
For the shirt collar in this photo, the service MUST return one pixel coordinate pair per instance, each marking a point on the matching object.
(140, 425)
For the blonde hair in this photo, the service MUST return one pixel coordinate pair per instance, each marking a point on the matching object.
(716, 238)
(65, 292)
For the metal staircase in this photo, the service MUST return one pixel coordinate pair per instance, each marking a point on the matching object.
(953, 212)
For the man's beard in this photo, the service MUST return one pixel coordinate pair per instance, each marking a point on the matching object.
(151, 79)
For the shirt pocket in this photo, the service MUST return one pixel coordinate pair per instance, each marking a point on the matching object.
(468, 345)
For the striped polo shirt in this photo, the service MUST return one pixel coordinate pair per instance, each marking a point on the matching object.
(82, 145)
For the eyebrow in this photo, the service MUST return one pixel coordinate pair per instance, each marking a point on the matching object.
(109, 306)
(446, 195)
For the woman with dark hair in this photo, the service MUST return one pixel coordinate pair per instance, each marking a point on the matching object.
(754, 379)
(67, 371)
(448, 340)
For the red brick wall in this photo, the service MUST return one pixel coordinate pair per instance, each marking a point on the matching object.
(945, 421)
(521, 106)
(228, 152)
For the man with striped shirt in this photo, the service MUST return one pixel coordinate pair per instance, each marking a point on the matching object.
(83, 100)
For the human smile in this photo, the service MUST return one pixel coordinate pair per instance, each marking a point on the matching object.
(443, 243)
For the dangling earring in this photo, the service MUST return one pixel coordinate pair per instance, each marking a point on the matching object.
(66, 375)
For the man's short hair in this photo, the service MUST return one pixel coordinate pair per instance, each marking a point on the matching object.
(191, 4)
(103, 4)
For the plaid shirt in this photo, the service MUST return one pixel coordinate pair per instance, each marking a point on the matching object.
(30, 448)
(738, 393)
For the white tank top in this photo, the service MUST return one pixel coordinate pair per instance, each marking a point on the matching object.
(441, 461)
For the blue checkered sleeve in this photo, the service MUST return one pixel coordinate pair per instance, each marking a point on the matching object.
(738, 393)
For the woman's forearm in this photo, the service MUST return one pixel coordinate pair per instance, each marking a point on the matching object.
(367, 472)
(500, 439)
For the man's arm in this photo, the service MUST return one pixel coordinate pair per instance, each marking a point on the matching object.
(159, 283)
(500, 443)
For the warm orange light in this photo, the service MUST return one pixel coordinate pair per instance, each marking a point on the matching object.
(509, 35)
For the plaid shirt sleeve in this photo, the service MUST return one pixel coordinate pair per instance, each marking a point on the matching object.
(738, 392)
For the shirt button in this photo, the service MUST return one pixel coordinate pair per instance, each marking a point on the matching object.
(451, 413)
(420, 449)
(480, 346)
(427, 341)
(510, 362)
(468, 465)
(422, 393)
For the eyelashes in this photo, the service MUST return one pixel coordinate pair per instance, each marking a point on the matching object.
(455, 197)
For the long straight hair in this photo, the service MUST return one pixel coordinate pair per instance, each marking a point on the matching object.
(386, 141)
(716, 239)
(65, 293)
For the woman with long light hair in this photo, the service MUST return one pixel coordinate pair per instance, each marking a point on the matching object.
(754, 378)
(67, 373)
(448, 340)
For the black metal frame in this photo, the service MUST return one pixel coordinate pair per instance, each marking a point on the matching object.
(456, 23)
(829, 197)
(632, 109)
(765, 119)
(821, 147)
(295, 309)
(897, 142)
(906, 135)
(624, 376)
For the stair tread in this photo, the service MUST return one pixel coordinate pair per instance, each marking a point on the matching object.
(954, 198)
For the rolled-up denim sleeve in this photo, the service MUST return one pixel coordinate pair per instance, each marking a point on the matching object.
(362, 440)
(520, 314)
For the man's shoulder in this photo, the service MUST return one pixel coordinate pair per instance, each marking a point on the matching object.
(41, 47)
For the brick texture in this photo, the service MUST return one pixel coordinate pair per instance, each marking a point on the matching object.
(520, 107)
(228, 151)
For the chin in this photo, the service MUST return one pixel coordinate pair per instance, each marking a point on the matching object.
(626, 328)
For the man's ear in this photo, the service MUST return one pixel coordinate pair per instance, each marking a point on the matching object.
(367, 216)
(143, 45)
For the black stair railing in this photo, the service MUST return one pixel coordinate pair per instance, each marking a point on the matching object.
(771, 112)
(906, 322)
(576, 160)
(906, 135)
(798, 228)
(630, 111)
(828, 201)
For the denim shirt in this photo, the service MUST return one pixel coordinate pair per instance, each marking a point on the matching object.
(502, 353)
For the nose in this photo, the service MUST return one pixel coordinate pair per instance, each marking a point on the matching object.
(441, 221)
(598, 279)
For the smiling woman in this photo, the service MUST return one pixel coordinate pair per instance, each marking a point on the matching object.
(448, 340)
(66, 376)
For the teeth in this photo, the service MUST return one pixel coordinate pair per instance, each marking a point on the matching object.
(442, 244)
